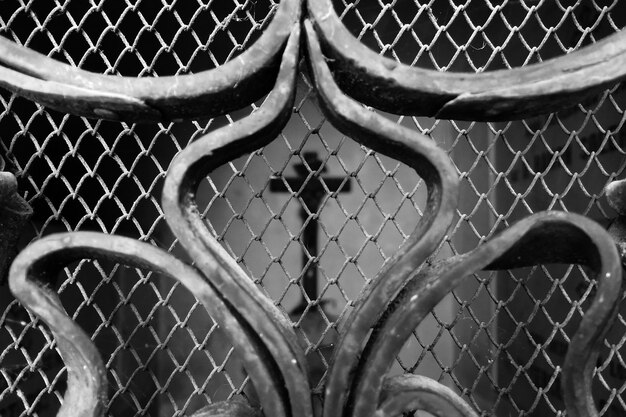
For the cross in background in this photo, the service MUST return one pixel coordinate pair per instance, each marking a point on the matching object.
(309, 185)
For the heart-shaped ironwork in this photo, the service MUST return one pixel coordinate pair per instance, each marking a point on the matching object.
(409, 286)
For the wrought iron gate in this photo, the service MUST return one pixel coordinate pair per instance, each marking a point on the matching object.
(316, 198)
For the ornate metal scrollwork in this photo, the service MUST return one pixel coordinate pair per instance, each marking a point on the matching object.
(497, 95)
(410, 285)
(231, 86)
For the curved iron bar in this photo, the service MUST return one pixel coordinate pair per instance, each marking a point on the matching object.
(547, 237)
(489, 96)
(86, 394)
(355, 386)
(181, 212)
(433, 165)
(218, 91)
(235, 407)
(268, 345)
(410, 285)
(409, 392)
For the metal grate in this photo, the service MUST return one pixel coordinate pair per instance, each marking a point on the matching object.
(499, 340)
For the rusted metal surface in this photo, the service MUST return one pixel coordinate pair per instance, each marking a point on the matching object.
(411, 284)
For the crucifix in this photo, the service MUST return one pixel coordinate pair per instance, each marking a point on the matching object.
(311, 187)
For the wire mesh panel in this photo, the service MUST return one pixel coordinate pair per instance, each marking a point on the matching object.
(499, 340)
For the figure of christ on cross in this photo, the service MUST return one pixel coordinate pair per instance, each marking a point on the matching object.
(309, 185)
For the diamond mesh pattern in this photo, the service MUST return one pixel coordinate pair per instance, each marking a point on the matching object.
(499, 339)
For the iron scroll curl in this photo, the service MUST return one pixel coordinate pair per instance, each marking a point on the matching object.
(86, 393)
(401, 294)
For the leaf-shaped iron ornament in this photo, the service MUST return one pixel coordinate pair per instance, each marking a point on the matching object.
(393, 304)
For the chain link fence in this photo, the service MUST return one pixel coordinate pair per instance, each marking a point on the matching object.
(499, 340)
